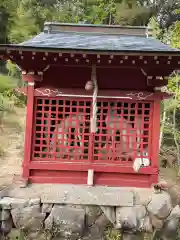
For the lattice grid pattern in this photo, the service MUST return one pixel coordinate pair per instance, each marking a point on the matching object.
(124, 130)
(62, 130)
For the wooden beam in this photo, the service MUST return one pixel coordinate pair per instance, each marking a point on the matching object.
(30, 78)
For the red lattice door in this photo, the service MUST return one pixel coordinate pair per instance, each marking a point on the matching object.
(64, 149)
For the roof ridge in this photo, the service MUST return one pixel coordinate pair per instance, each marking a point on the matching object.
(94, 33)
(53, 27)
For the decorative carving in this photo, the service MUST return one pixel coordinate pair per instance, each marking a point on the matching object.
(55, 92)
(140, 95)
(48, 92)
(165, 90)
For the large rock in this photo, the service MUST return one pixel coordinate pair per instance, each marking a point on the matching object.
(6, 226)
(131, 217)
(142, 196)
(96, 231)
(160, 205)
(47, 207)
(110, 213)
(145, 225)
(66, 221)
(170, 228)
(92, 213)
(175, 213)
(5, 215)
(28, 218)
(174, 193)
(140, 212)
(34, 201)
(9, 203)
(102, 222)
(156, 223)
(126, 218)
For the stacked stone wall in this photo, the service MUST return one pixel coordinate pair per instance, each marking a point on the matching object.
(22, 218)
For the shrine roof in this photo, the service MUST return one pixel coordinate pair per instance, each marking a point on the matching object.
(85, 37)
(87, 41)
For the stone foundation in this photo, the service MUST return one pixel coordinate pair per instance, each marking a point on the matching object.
(34, 217)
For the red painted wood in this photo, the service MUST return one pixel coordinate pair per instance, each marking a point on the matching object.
(155, 134)
(28, 136)
(48, 168)
(108, 77)
(153, 179)
(122, 180)
(52, 92)
(54, 58)
(76, 77)
(118, 94)
(45, 167)
(47, 114)
(83, 167)
(106, 179)
(157, 82)
(31, 78)
(116, 76)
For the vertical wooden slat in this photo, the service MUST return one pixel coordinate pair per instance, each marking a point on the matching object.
(29, 130)
(155, 134)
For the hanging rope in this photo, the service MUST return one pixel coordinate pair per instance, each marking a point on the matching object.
(95, 92)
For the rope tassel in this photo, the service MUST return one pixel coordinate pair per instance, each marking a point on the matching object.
(95, 92)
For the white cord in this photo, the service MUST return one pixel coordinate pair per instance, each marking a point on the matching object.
(95, 92)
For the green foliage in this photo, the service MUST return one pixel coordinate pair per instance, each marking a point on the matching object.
(12, 69)
(170, 113)
(24, 26)
(23, 19)
(134, 15)
(8, 97)
(102, 12)
(68, 11)
(112, 234)
(6, 83)
(175, 35)
(3, 26)
(156, 30)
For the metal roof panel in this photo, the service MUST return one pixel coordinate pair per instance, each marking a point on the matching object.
(95, 41)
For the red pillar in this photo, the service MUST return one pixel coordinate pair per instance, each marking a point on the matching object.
(29, 129)
(155, 140)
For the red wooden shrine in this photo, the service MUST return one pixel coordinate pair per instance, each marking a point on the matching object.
(93, 104)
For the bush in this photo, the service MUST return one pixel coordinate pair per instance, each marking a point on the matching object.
(112, 234)
(7, 85)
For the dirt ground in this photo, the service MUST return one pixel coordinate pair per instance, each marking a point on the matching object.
(12, 143)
